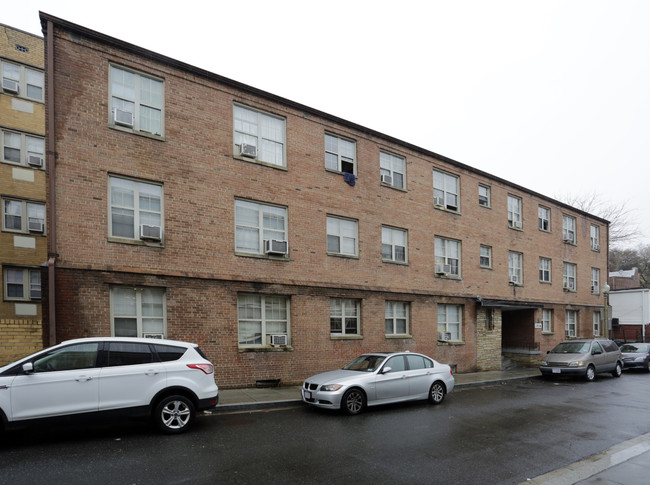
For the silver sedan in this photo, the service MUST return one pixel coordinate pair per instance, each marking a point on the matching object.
(379, 378)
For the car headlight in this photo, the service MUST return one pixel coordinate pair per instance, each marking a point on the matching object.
(576, 363)
(331, 387)
(544, 363)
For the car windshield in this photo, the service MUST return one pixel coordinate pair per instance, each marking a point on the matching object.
(571, 348)
(365, 363)
(634, 348)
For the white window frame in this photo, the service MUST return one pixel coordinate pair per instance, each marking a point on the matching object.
(485, 253)
(266, 213)
(390, 241)
(394, 166)
(515, 212)
(26, 207)
(544, 218)
(484, 196)
(446, 189)
(263, 130)
(595, 237)
(340, 151)
(23, 149)
(571, 323)
(23, 82)
(342, 230)
(140, 316)
(569, 276)
(139, 213)
(596, 324)
(445, 324)
(396, 312)
(516, 266)
(270, 312)
(137, 100)
(444, 249)
(545, 265)
(547, 320)
(31, 289)
(568, 229)
(595, 281)
(350, 311)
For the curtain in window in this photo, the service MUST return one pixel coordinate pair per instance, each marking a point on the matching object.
(13, 215)
(15, 286)
(12, 147)
(125, 312)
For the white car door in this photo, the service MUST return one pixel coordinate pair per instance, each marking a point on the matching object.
(420, 375)
(131, 378)
(64, 381)
(394, 384)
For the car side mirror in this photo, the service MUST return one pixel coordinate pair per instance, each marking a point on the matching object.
(596, 352)
(386, 370)
(28, 367)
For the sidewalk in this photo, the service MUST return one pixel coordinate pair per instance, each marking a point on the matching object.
(626, 463)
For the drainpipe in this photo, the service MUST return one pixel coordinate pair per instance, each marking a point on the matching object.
(51, 168)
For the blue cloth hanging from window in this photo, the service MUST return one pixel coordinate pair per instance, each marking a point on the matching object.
(350, 178)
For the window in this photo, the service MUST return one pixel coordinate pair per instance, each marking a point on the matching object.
(515, 268)
(397, 318)
(261, 316)
(569, 277)
(261, 130)
(450, 320)
(22, 81)
(544, 270)
(568, 229)
(22, 149)
(340, 154)
(135, 204)
(571, 323)
(547, 321)
(393, 245)
(596, 324)
(129, 353)
(514, 212)
(447, 253)
(342, 236)
(138, 312)
(445, 190)
(21, 284)
(23, 216)
(484, 195)
(72, 357)
(544, 218)
(595, 281)
(256, 223)
(344, 316)
(595, 238)
(486, 257)
(137, 101)
(392, 169)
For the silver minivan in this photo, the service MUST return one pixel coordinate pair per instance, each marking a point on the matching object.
(583, 357)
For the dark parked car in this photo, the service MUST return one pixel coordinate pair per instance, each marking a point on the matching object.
(583, 357)
(636, 355)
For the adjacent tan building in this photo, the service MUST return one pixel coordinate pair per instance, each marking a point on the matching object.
(285, 240)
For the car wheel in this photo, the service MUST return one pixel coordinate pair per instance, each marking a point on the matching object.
(590, 375)
(618, 370)
(174, 414)
(437, 392)
(353, 402)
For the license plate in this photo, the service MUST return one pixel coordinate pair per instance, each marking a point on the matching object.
(557, 371)
(307, 395)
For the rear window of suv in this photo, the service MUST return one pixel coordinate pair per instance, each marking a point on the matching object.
(168, 353)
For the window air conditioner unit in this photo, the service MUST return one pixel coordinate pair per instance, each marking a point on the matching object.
(275, 246)
(246, 150)
(514, 279)
(595, 247)
(35, 160)
(517, 224)
(9, 85)
(387, 179)
(444, 336)
(569, 286)
(35, 225)
(439, 201)
(443, 269)
(568, 240)
(279, 340)
(153, 335)
(123, 118)
(150, 232)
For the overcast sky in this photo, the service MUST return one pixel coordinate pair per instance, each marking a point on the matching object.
(552, 95)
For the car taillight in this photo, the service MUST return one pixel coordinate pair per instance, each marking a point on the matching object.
(206, 368)
(451, 372)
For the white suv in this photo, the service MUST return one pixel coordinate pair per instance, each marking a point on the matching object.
(165, 379)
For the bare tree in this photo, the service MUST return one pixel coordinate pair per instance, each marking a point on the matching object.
(626, 259)
(622, 226)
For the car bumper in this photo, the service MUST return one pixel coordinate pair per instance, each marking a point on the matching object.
(635, 365)
(208, 403)
(323, 399)
(563, 371)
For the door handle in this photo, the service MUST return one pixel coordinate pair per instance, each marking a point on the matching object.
(84, 378)
(151, 372)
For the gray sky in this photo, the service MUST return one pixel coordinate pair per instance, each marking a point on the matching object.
(553, 95)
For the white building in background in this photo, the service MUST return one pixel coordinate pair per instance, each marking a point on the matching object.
(630, 314)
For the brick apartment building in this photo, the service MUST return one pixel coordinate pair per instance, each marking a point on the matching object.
(23, 246)
(284, 240)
